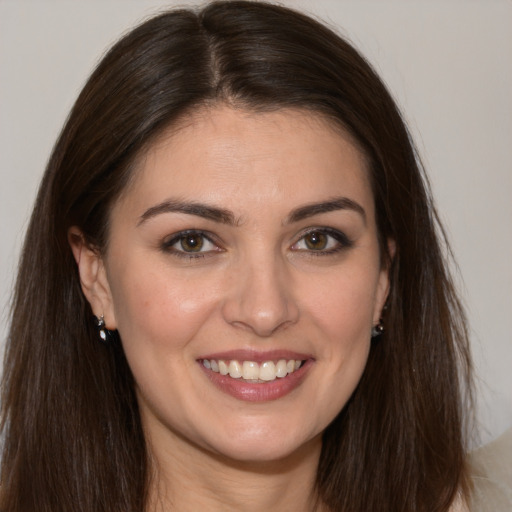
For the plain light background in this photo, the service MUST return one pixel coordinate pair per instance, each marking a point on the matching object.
(448, 64)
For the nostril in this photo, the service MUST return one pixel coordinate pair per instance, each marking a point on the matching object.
(260, 294)
(268, 321)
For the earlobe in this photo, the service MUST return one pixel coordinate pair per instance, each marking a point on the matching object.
(93, 277)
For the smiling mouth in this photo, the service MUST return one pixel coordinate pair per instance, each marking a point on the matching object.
(251, 371)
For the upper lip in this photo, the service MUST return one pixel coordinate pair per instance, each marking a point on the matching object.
(256, 355)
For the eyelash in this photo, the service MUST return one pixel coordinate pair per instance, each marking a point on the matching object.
(180, 237)
(342, 243)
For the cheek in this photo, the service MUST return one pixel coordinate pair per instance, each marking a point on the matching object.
(342, 305)
(159, 309)
(341, 312)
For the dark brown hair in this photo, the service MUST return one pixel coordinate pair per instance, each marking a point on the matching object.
(72, 433)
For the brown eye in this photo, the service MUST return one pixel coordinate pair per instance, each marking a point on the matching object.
(322, 241)
(316, 241)
(192, 242)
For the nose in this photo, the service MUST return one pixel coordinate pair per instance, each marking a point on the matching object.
(261, 298)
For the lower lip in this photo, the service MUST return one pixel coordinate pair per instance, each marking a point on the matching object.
(260, 392)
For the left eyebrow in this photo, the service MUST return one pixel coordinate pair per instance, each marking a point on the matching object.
(338, 203)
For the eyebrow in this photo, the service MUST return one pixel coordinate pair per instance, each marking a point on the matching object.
(224, 216)
(190, 208)
(337, 203)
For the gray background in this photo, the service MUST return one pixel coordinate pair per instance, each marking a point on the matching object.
(447, 63)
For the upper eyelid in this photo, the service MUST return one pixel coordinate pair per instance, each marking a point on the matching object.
(322, 229)
(176, 236)
(340, 237)
(168, 243)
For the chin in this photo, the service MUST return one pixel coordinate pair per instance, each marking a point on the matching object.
(264, 444)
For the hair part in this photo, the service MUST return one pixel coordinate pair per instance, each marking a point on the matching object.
(73, 436)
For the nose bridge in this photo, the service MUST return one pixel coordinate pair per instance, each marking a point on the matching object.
(261, 298)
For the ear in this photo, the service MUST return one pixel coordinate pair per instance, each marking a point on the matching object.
(93, 277)
(384, 282)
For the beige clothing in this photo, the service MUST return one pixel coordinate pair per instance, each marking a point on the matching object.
(492, 476)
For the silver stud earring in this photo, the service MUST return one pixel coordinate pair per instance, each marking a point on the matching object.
(377, 330)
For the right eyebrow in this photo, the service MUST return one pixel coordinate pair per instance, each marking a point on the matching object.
(190, 208)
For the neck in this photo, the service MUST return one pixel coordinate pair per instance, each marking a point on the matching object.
(188, 478)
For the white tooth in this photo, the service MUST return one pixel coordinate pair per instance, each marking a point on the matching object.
(206, 363)
(297, 364)
(268, 371)
(250, 370)
(223, 368)
(214, 365)
(281, 369)
(235, 369)
(290, 366)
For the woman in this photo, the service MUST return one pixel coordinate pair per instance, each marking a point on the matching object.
(232, 294)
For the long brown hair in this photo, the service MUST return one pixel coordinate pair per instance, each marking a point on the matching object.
(72, 433)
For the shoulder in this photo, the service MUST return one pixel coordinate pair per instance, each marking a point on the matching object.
(459, 505)
(491, 473)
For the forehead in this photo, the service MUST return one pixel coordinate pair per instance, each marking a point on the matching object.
(223, 154)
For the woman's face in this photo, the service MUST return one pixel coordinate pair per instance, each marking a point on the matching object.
(243, 275)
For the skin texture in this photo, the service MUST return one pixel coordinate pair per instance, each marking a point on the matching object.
(255, 285)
